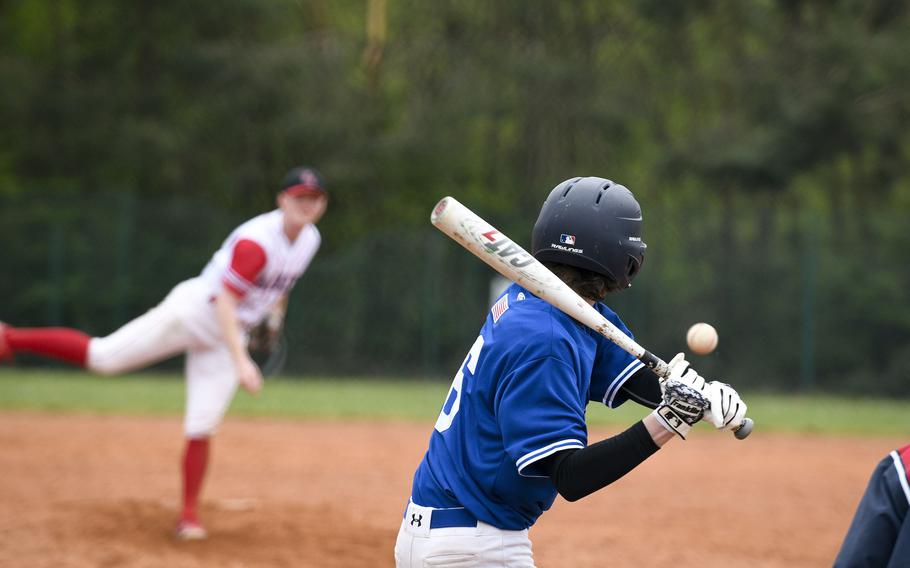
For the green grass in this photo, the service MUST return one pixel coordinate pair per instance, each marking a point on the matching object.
(370, 399)
(162, 394)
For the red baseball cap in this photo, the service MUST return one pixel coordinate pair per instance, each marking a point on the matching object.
(303, 180)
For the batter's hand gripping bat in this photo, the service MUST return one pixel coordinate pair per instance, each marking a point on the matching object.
(516, 264)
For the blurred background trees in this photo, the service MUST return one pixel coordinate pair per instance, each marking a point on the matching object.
(766, 141)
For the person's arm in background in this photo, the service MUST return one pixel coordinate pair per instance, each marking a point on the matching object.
(247, 372)
(265, 337)
(274, 321)
(247, 261)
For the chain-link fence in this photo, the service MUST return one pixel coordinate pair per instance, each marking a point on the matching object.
(802, 301)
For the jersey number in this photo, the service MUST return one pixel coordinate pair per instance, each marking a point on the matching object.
(453, 401)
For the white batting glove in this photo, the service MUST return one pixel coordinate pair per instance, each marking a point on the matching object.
(727, 409)
(681, 371)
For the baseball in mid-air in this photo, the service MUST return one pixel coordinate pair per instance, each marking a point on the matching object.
(702, 338)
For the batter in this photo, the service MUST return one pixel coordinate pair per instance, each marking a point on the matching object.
(511, 433)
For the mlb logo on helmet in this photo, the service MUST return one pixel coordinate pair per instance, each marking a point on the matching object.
(567, 239)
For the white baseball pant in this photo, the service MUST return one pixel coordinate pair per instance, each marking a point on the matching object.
(184, 322)
(483, 546)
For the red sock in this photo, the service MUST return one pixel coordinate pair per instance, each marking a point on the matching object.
(195, 460)
(63, 343)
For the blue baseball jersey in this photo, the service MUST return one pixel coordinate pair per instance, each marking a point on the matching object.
(519, 396)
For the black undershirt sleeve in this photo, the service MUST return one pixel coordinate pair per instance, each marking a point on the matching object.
(644, 388)
(577, 473)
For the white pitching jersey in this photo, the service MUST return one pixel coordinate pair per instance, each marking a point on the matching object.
(284, 263)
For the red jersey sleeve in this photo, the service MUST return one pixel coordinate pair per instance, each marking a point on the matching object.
(247, 261)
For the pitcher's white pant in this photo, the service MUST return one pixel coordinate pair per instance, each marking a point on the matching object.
(483, 546)
(184, 322)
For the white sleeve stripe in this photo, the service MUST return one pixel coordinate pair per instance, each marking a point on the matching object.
(539, 453)
(621, 378)
(901, 473)
(237, 281)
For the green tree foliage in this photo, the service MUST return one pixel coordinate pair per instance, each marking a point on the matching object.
(766, 141)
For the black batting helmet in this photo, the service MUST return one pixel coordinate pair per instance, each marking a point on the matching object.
(594, 224)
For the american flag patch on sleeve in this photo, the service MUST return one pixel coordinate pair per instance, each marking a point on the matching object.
(500, 308)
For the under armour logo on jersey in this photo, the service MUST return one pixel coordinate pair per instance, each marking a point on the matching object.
(416, 520)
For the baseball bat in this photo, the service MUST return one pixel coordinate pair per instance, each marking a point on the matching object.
(519, 266)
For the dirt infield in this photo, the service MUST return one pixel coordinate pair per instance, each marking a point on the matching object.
(87, 491)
